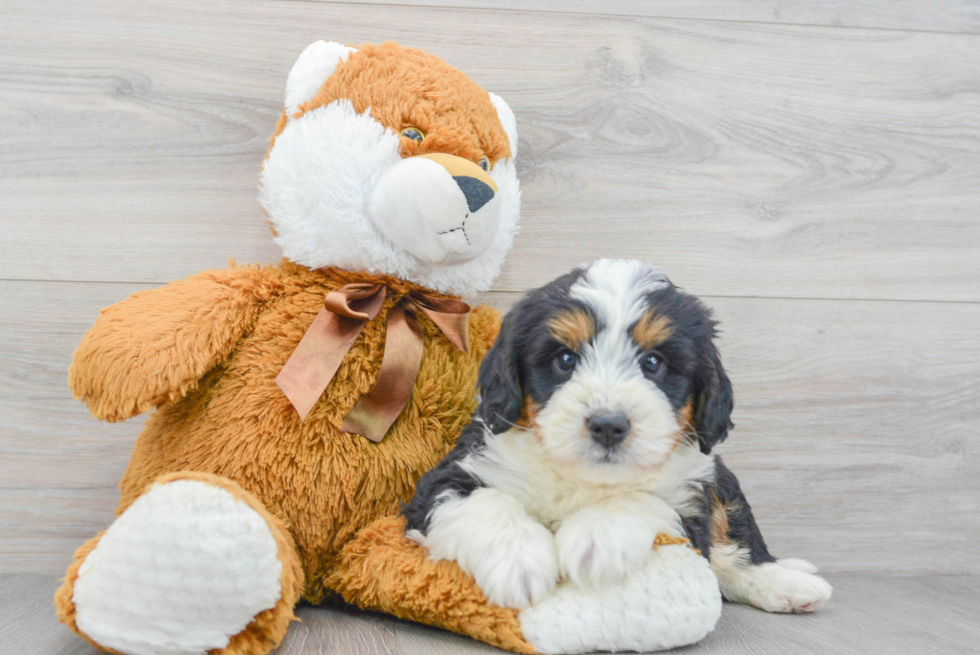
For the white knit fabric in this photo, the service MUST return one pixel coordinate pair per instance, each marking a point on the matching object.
(673, 601)
(184, 569)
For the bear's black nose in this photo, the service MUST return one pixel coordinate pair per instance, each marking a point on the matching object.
(477, 193)
(608, 429)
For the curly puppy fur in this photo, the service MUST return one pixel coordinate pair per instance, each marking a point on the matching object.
(602, 400)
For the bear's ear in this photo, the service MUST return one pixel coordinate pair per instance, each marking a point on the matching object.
(311, 70)
(507, 119)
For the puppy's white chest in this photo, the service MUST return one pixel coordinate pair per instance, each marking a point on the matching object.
(515, 464)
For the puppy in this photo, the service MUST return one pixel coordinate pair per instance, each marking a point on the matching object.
(600, 403)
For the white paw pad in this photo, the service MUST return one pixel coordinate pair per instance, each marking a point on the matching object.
(182, 570)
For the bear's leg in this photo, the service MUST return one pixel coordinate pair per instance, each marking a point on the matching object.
(195, 565)
(382, 570)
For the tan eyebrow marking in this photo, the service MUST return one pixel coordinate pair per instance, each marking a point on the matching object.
(652, 330)
(572, 327)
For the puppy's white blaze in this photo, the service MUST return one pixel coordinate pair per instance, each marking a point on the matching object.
(770, 586)
(615, 290)
(490, 535)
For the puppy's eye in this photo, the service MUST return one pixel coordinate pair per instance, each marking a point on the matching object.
(565, 360)
(485, 164)
(413, 133)
(653, 367)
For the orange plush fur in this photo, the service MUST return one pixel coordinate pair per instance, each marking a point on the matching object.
(204, 354)
(396, 84)
(384, 571)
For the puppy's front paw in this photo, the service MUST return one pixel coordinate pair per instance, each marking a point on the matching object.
(776, 588)
(598, 547)
(518, 567)
(490, 535)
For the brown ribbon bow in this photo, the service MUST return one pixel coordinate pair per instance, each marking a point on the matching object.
(334, 330)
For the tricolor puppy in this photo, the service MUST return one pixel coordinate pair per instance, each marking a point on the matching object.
(600, 403)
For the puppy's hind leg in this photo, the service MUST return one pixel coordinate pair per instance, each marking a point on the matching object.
(746, 572)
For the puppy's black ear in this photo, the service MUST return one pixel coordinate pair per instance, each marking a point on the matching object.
(714, 400)
(501, 398)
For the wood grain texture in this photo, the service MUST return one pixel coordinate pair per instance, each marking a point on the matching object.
(895, 615)
(815, 184)
(855, 439)
(961, 16)
(746, 159)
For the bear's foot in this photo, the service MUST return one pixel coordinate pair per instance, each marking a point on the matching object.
(195, 565)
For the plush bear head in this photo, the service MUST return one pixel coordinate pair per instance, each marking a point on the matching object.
(389, 160)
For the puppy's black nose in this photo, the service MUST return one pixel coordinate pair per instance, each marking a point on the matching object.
(608, 429)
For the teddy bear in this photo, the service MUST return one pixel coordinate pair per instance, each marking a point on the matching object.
(292, 405)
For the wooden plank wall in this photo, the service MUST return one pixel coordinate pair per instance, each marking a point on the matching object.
(811, 168)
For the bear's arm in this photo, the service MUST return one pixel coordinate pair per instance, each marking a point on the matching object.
(155, 346)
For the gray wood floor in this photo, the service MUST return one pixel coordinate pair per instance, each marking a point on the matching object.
(868, 614)
(810, 167)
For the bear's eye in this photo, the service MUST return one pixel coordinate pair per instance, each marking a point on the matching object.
(413, 133)
(485, 164)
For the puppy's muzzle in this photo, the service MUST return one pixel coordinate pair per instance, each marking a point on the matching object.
(607, 428)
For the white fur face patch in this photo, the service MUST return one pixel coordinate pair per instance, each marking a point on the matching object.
(314, 188)
(608, 378)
